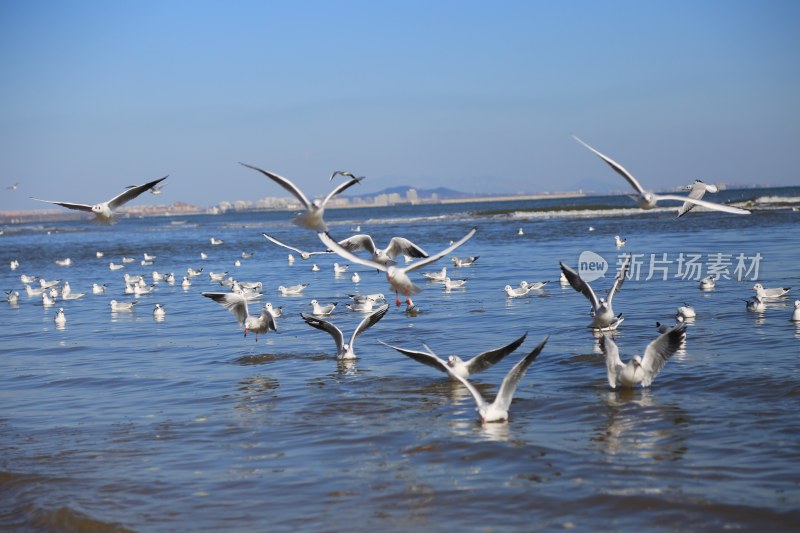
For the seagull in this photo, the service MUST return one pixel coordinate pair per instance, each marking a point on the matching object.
(397, 246)
(33, 292)
(312, 218)
(314, 268)
(795, 313)
(128, 259)
(28, 279)
(345, 350)
(535, 286)
(776, 292)
(104, 212)
(156, 190)
(192, 272)
(303, 254)
(340, 269)
(159, 312)
(216, 242)
(601, 308)
(619, 242)
(321, 310)
(113, 266)
(48, 300)
(294, 289)
(99, 254)
(520, 232)
(344, 173)
(436, 277)
(686, 311)
(755, 304)
(13, 186)
(237, 304)
(355, 277)
(60, 318)
(43, 283)
(217, 276)
(148, 257)
(641, 370)
(122, 306)
(363, 306)
(276, 312)
(497, 411)
(707, 283)
(12, 297)
(450, 284)
(512, 292)
(663, 328)
(98, 288)
(459, 367)
(697, 190)
(397, 276)
(648, 200)
(64, 262)
(469, 261)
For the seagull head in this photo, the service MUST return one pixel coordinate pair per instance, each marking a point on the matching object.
(453, 360)
(758, 287)
(637, 361)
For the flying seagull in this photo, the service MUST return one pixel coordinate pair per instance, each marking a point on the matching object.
(641, 370)
(497, 411)
(312, 218)
(345, 350)
(648, 199)
(303, 254)
(105, 211)
(458, 366)
(237, 304)
(602, 312)
(397, 276)
(696, 192)
(397, 246)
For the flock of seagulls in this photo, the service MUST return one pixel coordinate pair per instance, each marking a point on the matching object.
(638, 371)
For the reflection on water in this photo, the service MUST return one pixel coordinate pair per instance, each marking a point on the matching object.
(636, 424)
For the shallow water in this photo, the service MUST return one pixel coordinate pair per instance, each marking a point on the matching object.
(119, 421)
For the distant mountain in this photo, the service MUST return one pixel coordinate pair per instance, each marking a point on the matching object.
(442, 192)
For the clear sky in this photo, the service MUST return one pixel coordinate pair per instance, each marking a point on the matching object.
(474, 95)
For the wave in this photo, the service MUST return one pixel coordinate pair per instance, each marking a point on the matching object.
(774, 201)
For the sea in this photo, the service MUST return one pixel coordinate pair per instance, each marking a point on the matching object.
(118, 421)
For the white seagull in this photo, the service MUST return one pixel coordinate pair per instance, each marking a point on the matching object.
(386, 256)
(312, 218)
(497, 411)
(697, 190)
(292, 290)
(619, 242)
(303, 254)
(436, 277)
(458, 366)
(707, 283)
(237, 304)
(60, 318)
(602, 310)
(641, 370)
(345, 350)
(159, 312)
(755, 304)
(318, 309)
(775, 292)
(397, 276)
(513, 292)
(648, 199)
(104, 211)
(468, 261)
(122, 306)
(795, 313)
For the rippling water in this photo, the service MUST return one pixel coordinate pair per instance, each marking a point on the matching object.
(122, 422)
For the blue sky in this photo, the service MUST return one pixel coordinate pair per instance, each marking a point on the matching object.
(477, 96)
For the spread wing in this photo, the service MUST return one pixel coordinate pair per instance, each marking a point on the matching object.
(132, 192)
(283, 182)
(613, 363)
(359, 242)
(342, 187)
(324, 325)
(660, 350)
(298, 250)
(704, 203)
(436, 257)
(430, 359)
(510, 382)
(369, 321)
(233, 302)
(402, 246)
(579, 285)
(620, 279)
(68, 205)
(331, 244)
(486, 359)
(619, 169)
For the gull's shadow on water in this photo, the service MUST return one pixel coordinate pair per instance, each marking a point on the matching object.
(264, 358)
(637, 425)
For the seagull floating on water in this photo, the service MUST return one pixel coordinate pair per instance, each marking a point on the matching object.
(122, 306)
(648, 199)
(237, 304)
(708, 283)
(465, 262)
(755, 304)
(60, 318)
(776, 292)
(159, 312)
(456, 364)
(292, 290)
(641, 370)
(104, 211)
(313, 217)
(795, 313)
(686, 311)
(397, 276)
(619, 242)
(345, 350)
(321, 310)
